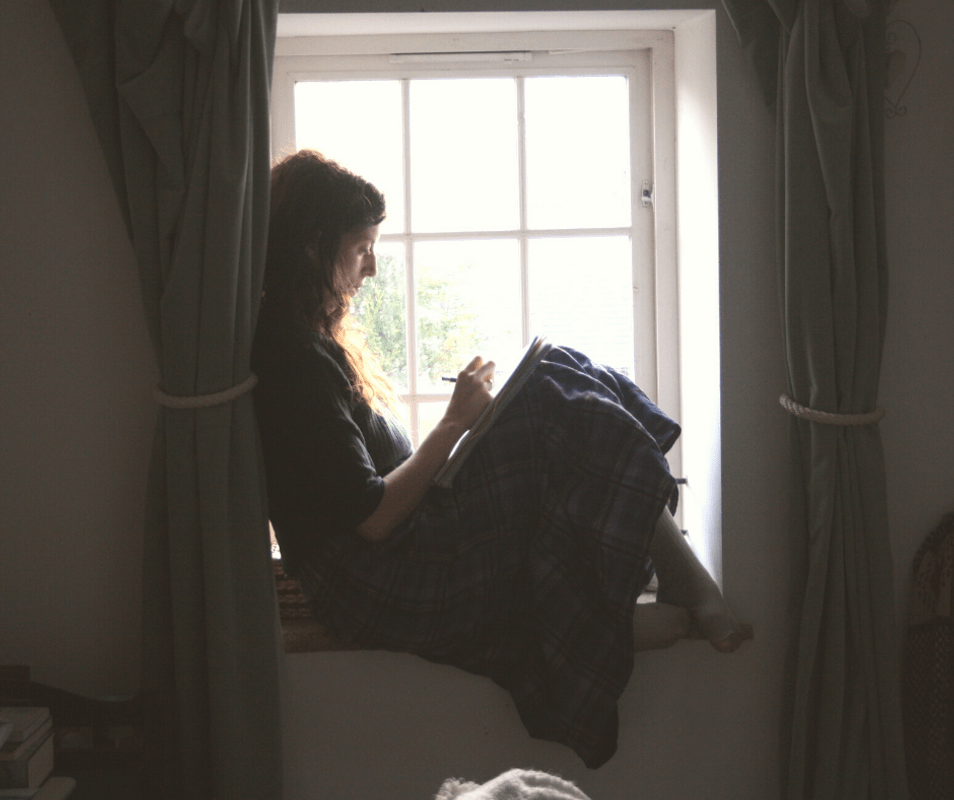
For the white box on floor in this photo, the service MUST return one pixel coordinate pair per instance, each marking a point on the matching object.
(27, 764)
(24, 721)
(52, 789)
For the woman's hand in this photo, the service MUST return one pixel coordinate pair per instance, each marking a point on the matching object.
(406, 485)
(471, 394)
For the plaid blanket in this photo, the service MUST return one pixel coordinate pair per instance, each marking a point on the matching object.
(528, 567)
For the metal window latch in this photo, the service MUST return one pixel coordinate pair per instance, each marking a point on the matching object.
(647, 196)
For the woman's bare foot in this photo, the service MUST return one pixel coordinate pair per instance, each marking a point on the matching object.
(659, 625)
(685, 582)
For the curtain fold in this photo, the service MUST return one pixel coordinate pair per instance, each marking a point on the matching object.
(827, 84)
(178, 91)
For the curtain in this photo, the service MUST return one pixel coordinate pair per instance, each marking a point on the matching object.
(178, 93)
(822, 63)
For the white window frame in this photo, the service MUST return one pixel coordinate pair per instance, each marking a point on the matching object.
(681, 289)
(577, 54)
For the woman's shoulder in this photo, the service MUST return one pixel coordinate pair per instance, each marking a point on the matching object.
(285, 348)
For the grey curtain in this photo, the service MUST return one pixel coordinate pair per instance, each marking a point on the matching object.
(822, 63)
(178, 93)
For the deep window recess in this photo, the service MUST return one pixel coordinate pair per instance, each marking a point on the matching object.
(674, 202)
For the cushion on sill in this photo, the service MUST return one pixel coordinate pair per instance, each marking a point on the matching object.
(301, 632)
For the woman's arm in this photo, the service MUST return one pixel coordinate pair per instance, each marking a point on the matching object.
(407, 484)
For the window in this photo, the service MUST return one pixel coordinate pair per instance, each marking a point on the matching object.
(520, 194)
(634, 267)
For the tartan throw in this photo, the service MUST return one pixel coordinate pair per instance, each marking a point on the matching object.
(928, 699)
(528, 567)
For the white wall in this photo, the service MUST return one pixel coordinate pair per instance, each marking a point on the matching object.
(76, 372)
(700, 359)
(918, 375)
(77, 421)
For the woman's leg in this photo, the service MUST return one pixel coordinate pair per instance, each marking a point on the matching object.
(659, 625)
(684, 582)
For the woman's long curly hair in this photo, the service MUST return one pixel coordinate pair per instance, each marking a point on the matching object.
(314, 203)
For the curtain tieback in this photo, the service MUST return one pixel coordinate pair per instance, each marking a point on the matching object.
(206, 400)
(828, 418)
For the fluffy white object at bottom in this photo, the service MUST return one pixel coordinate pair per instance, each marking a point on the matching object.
(517, 784)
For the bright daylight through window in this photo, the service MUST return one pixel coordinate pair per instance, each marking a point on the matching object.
(514, 184)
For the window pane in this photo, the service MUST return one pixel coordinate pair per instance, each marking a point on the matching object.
(581, 295)
(428, 415)
(358, 124)
(380, 307)
(468, 303)
(464, 155)
(578, 172)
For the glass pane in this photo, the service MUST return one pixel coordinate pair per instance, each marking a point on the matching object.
(404, 414)
(468, 303)
(581, 295)
(464, 155)
(428, 415)
(358, 124)
(380, 307)
(577, 152)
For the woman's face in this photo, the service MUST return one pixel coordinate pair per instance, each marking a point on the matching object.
(356, 257)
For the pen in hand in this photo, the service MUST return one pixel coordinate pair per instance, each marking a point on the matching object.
(489, 366)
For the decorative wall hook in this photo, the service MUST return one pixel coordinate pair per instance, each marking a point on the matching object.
(903, 54)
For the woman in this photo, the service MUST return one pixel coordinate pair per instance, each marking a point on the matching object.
(528, 567)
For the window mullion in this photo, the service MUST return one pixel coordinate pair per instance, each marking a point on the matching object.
(410, 282)
(522, 192)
